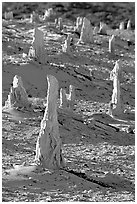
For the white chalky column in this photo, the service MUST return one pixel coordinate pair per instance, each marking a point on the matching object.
(48, 147)
(17, 96)
(86, 32)
(78, 26)
(112, 44)
(67, 100)
(121, 26)
(60, 23)
(34, 17)
(63, 98)
(96, 30)
(48, 13)
(8, 15)
(38, 46)
(129, 25)
(66, 47)
(103, 28)
(115, 75)
(56, 22)
(71, 96)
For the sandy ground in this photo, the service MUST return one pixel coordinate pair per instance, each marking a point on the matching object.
(99, 150)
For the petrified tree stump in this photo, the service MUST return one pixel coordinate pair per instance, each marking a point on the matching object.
(115, 104)
(48, 147)
(86, 32)
(17, 97)
(37, 50)
(112, 44)
(67, 100)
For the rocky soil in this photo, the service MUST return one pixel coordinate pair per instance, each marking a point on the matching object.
(99, 150)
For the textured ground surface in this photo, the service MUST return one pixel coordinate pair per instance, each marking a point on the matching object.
(99, 151)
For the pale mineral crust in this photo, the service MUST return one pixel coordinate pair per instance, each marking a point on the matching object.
(48, 147)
